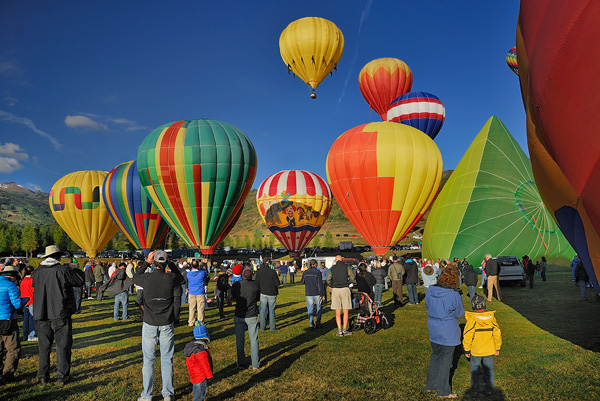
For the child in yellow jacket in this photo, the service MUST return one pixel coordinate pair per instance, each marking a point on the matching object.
(481, 341)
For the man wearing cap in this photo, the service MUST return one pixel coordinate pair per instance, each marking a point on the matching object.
(53, 306)
(159, 318)
(396, 275)
(10, 301)
(246, 294)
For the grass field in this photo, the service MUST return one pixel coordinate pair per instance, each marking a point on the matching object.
(551, 351)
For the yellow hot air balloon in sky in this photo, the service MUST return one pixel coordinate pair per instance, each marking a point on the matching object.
(77, 205)
(311, 47)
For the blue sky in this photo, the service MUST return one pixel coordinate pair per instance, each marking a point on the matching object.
(83, 83)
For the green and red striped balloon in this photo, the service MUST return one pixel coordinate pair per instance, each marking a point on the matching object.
(197, 174)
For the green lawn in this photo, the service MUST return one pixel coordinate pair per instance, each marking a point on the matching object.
(551, 351)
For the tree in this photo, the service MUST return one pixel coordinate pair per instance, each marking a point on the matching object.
(328, 240)
(3, 242)
(29, 239)
(247, 243)
(60, 237)
(270, 241)
(14, 239)
(257, 239)
(316, 241)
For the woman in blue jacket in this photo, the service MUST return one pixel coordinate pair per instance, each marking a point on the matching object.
(444, 309)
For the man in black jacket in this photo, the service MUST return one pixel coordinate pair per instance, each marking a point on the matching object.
(53, 306)
(268, 284)
(246, 293)
(159, 318)
(492, 270)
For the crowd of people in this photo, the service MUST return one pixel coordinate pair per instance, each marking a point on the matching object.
(49, 295)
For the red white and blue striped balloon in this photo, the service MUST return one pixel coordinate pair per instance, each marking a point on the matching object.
(420, 110)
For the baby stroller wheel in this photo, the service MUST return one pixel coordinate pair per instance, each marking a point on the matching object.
(370, 326)
(385, 324)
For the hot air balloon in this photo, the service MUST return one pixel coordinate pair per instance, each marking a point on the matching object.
(197, 174)
(384, 176)
(558, 72)
(311, 48)
(77, 206)
(294, 204)
(511, 60)
(383, 80)
(490, 204)
(129, 206)
(420, 110)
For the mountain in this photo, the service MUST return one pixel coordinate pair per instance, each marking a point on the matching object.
(21, 206)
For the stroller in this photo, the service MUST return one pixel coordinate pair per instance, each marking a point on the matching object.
(369, 317)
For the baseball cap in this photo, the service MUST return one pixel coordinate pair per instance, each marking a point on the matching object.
(161, 256)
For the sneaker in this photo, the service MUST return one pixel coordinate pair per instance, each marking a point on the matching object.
(33, 339)
(340, 334)
(169, 398)
(144, 399)
(346, 333)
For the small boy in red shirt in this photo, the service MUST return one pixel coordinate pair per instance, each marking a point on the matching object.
(198, 361)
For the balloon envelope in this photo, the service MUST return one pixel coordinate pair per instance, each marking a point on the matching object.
(383, 80)
(197, 173)
(131, 209)
(511, 60)
(420, 110)
(558, 72)
(77, 206)
(384, 177)
(490, 204)
(311, 47)
(294, 204)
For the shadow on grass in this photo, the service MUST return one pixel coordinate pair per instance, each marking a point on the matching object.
(554, 305)
(53, 391)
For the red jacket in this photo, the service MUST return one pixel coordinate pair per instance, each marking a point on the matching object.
(27, 290)
(198, 361)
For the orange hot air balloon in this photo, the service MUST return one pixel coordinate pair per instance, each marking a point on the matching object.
(383, 80)
(384, 176)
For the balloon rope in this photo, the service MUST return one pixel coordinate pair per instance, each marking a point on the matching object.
(539, 233)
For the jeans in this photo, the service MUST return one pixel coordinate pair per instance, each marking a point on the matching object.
(488, 371)
(386, 283)
(471, 292)
(88, 289)
(267, 305)
(151, 335)
(378, 290)
(438, 373)
(200, 390)
(325, 290)
(121, 298)
(77, 292)
(60, 330)
(241, 324)
(184, 295)
(311, 301)
(28, 323)
(413, 298)
(530, 277)
(284, 279)
(583, 289)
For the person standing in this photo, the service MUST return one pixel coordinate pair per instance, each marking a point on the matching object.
(268, 285)
(10, 343)
(199, 362)
(412, 278)
(88, 272)
(324, 270)
(99, 277)
(543, 267)
(221, 288)
(313, 290)
(492, 270)
(283, 272)
(444, 309)
(581, 279)
(530, 271)
(159, 319)
(26, 288)
(574, 263)
(396, 275)
(196, 294)
(53, 306)
(470, 280)
(429, 275)
(118, 286)
(339, 279)
(292, 271)
(246, 295)
(380, 276)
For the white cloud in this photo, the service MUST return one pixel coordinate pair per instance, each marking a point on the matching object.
(13, 118)
(9, 68)
(11, 156)
(84, 123)
(33, 187)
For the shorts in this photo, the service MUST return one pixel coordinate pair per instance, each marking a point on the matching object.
(340, 299)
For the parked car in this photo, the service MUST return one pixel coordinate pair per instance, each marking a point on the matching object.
(511, 270)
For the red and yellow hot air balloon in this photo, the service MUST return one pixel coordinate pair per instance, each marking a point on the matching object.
(198, 174)
(77, 206)
(383, 80)
(294, 204)
(384, 176)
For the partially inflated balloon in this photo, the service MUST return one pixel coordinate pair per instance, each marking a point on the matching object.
(294, 204)
(420, 110)
(311, 48)
(557, 44)
(197, 173)
(384, 176)
(77, 206)
(511, 60)
(129, 206)
(383, 80)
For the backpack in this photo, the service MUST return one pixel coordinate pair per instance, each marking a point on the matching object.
(223, 282)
